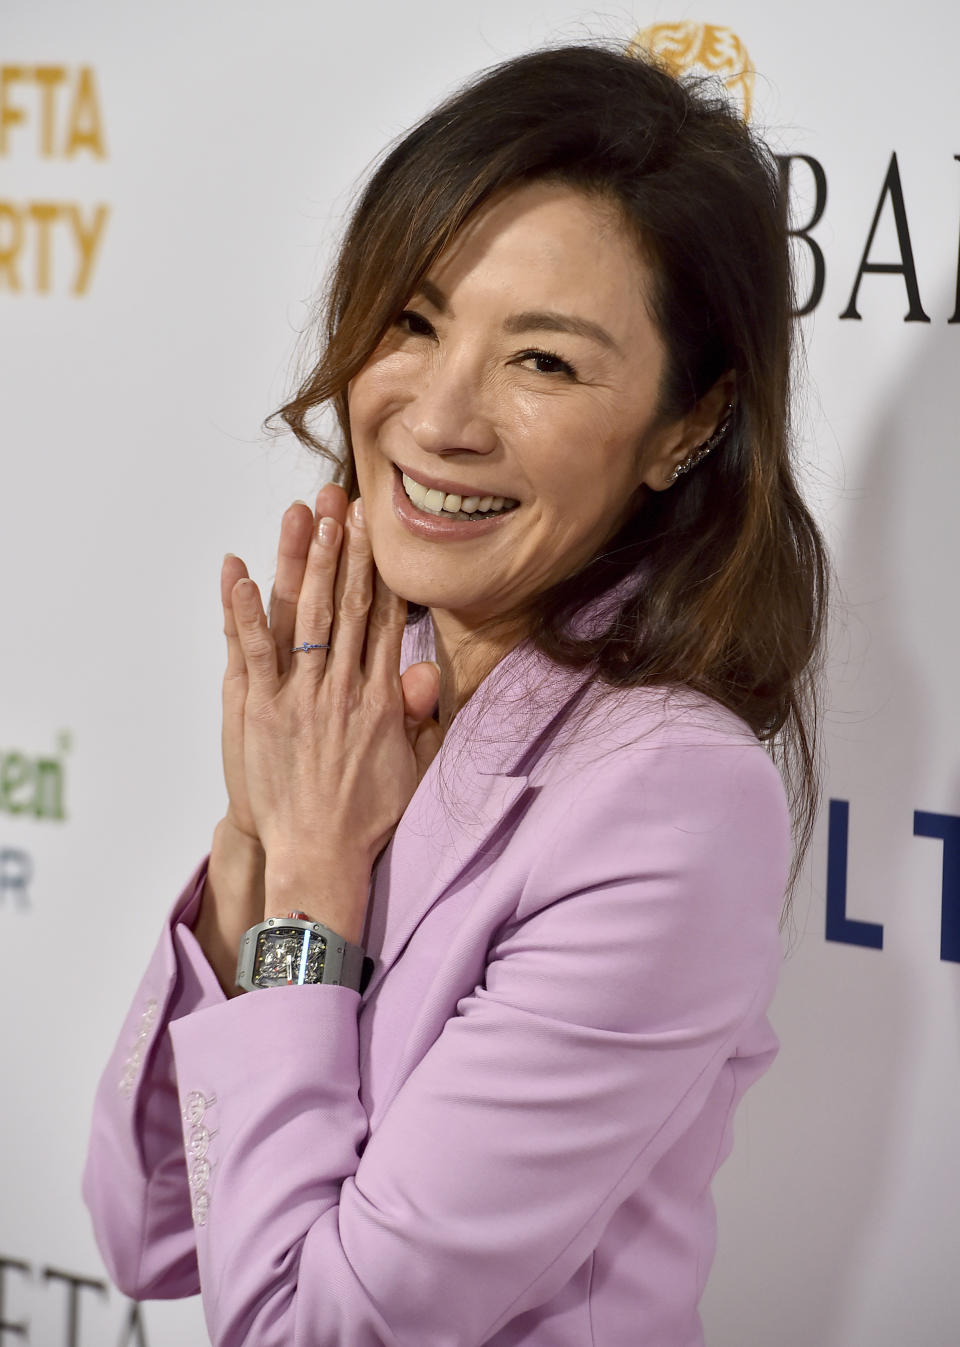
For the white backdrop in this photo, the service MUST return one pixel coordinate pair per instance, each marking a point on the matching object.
(187, 167)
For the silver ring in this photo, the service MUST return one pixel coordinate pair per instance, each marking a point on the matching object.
(303, 649)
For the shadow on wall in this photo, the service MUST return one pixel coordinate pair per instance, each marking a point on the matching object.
(825, 1146)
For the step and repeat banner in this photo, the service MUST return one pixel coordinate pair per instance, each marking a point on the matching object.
(172, 180)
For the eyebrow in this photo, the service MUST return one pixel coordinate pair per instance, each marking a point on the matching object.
(547, 320)
(436, 297)
(531, 320)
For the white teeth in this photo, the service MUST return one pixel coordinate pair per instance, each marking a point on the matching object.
(437, 502)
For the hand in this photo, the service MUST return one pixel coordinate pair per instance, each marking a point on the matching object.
(296, 532)
(233, 896)
(334, 743)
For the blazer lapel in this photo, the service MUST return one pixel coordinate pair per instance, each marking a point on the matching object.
(466, 795)
(426, 853)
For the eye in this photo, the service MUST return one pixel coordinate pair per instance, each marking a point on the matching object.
(547, 362)
(415, 323)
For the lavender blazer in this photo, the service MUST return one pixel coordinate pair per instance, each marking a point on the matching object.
(509, 1138)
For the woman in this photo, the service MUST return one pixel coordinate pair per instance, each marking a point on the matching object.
(547, 859)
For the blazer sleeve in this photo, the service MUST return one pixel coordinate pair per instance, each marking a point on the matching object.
(135, 1181)
(643, 941)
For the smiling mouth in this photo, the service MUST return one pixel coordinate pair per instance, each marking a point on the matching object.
(448, 505)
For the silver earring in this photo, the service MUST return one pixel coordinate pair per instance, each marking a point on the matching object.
(697, 455)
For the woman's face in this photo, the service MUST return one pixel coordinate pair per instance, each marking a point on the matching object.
(526, 369)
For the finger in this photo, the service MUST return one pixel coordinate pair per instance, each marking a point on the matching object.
(256, 641)
(296, 530)
(332, 501)
(385, 625)
(234, 678)
(231, 571)
(426, 746)
(296, 534)
(353, 596)
(420, 685)
(315, 607)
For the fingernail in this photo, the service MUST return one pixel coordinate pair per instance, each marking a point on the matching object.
(358, 518)
(244, 592)
(327, 530)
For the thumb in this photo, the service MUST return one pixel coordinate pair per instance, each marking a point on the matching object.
(421, 690)
(426, 745)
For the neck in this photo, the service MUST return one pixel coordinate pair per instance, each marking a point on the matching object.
(466, 654)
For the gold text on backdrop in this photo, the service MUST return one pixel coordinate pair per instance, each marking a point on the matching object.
(49, 112)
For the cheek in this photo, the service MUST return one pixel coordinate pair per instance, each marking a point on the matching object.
(387, 374)
(361, 398)
(593, 461)
(382, 390)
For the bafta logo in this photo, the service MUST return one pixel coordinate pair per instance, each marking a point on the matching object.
(703, 47)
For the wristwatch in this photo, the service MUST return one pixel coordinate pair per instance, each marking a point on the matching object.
(296, 950)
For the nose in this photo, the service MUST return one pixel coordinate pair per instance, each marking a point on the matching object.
(446, 414)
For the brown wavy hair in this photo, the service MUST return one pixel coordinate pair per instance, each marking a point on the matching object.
(732, 568)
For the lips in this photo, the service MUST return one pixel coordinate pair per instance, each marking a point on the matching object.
(435, 527)
(465, 490)
(470, 508)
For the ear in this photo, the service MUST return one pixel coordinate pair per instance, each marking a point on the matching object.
(673, 443)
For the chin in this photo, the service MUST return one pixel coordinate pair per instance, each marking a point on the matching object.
(432, 581)
(431, 596)
(407, 582)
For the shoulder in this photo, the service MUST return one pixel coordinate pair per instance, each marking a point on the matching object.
(649, 781)
(618, 736)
